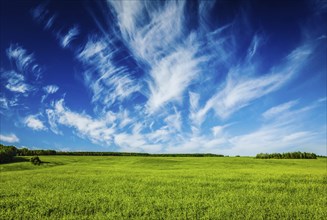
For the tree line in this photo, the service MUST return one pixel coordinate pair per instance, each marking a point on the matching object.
(289, 155)
(90, 153)
(7, 153)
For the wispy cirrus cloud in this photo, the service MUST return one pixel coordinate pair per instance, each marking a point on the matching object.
(109, 129)
(7, 103)
(9, 138)
(71, 34)
(97, 130)
(108, 81)
(170, 77)
(25, 62)
(240, 91)
(151, 29)
(43, 16)
(49, 89)
(174, 121)
(276, 110)
(16, 82)
(157, 35)
(3, 103)
(289, 127)
(287, 131)
(33, 122)
(24, 72)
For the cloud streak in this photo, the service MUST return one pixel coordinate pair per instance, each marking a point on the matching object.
(277, 110)
(16, 82)
(155, 33)
(24, 61)
(108, 81)
(170, 77)
(49, 89)
(98, 131)
(238, 91)
(9, 138)
(71, 34)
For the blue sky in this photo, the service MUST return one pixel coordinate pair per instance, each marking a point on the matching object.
(227, 77)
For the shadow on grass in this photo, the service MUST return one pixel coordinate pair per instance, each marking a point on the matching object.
(17, 160)
(21, 159)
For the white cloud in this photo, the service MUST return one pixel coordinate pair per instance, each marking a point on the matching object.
(6, 104)
(96, 130)
(255, 44)
(105, 130)
(51, 89)
(132, 142)
(171, 76)
(288, 131)
(161, 135)
(52, 120)
(217, 130)
(239, 92)
(32, 121)
(298, 135)
(20, 56)
(128, 13)
(70, 36)
(93, 47)
(174, 121)
(10, 138)
(277, 110)
(197, 114)
(16, 82)
(204, 13)
(271, 138)
(157, 35)
(192, 143)
(150, 29)
(108, 81)
(3, 103)
(124, 119)
(24, 61)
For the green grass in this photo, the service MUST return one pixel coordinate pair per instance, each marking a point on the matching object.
(77, 187)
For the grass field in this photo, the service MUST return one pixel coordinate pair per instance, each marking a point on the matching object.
(77, 187)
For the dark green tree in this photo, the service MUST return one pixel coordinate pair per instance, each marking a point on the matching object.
(36, 160)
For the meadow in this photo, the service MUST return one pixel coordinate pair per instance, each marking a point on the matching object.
(107, 187)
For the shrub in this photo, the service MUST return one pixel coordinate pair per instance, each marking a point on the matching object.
(36, 160)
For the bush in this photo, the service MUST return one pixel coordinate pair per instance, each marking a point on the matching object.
(36, 160)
